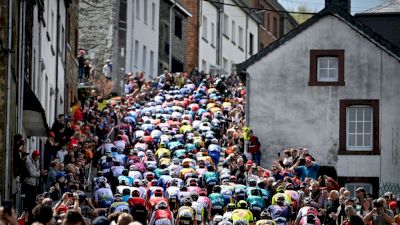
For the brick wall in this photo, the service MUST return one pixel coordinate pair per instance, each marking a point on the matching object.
(192, 35)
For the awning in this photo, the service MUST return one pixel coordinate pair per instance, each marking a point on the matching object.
(34, 116)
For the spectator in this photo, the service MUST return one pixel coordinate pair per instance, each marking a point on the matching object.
(254, 148)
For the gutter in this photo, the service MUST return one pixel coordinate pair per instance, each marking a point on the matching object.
(7, 145)
(57, 53)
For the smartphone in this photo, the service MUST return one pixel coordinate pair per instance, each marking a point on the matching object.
(8, 205)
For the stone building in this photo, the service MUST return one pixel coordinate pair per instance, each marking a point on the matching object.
(172, 36)
(72, 34)
(98, 21)
(330, 85)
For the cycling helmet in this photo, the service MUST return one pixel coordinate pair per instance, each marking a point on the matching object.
(120, 150)
(150, 176)
(280, 199)
(187, 201)
(125, 172)
(158, 192)
(162, 205)
(216, 189)
(214, 141)
(231, 207)
(232, 179)
(242, 204)
(194, 195)
(307, 201)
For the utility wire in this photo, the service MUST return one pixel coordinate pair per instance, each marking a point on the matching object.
(261, 9)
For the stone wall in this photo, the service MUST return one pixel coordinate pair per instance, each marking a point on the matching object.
(97, 25)
(71, 74)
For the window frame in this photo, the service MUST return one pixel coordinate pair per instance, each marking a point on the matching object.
(314, 55)
(240, 44)
(145, 12)
(358, 148)
(138, 9)
(225, 30)
(204, 32)
(344, 104)
(212, 34)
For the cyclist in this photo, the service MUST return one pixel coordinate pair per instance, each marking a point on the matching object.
(242, 214)
(186, 215)
(162, 215)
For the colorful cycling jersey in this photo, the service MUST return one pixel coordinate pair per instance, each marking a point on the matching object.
(172, 192)
(249, 190)
(277, 211)
(185, 171)
(242, 215)
(217, 201)
(256, 203)
(240, 190)
(104, 197)
(135, 175)
(265, 194)
(214, 147)
(162, 152)
(180, 153)
(186, 215)
(227, 190)
(120, 207)
(197, 207)
(128, 180)
(211, 178)
(190, 147)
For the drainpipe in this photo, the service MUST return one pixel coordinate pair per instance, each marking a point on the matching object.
(246, 34)
(56, 47)
(170, 36)
(219, 35)
(9, 154)
(21, 77)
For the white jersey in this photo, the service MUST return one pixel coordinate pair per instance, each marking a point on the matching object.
(135, 175)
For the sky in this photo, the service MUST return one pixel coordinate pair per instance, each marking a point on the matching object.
(316, 5)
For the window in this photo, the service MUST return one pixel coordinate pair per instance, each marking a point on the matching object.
(370, 184)
(251, 44)
(62, 42)
(153, 15)
(138, 9)
(136, 53)
(326, 68)
(204, 28)
(52, 25)
(240, 37)
(144, 58)
(233, 32)
(359, 124)
(145, 11)
(212, 34)
(225, 64)
(268, 22)
(226, 25)
(151, 63)
(275, 27)
(177, 66)
(204, 65)
(359, 127)
(178, 27)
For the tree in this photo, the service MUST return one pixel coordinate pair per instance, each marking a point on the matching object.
(301, 18)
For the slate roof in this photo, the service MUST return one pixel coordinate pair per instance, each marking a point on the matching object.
(387, 7)
(330, 10)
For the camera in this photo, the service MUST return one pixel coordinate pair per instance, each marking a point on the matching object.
(377, 204)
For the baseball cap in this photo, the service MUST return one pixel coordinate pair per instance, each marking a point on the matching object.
(250, 163)
(392, 205)
(36, 153)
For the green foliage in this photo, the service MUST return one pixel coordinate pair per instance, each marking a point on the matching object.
(301, 18)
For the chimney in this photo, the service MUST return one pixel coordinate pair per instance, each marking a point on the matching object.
(343, 4)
